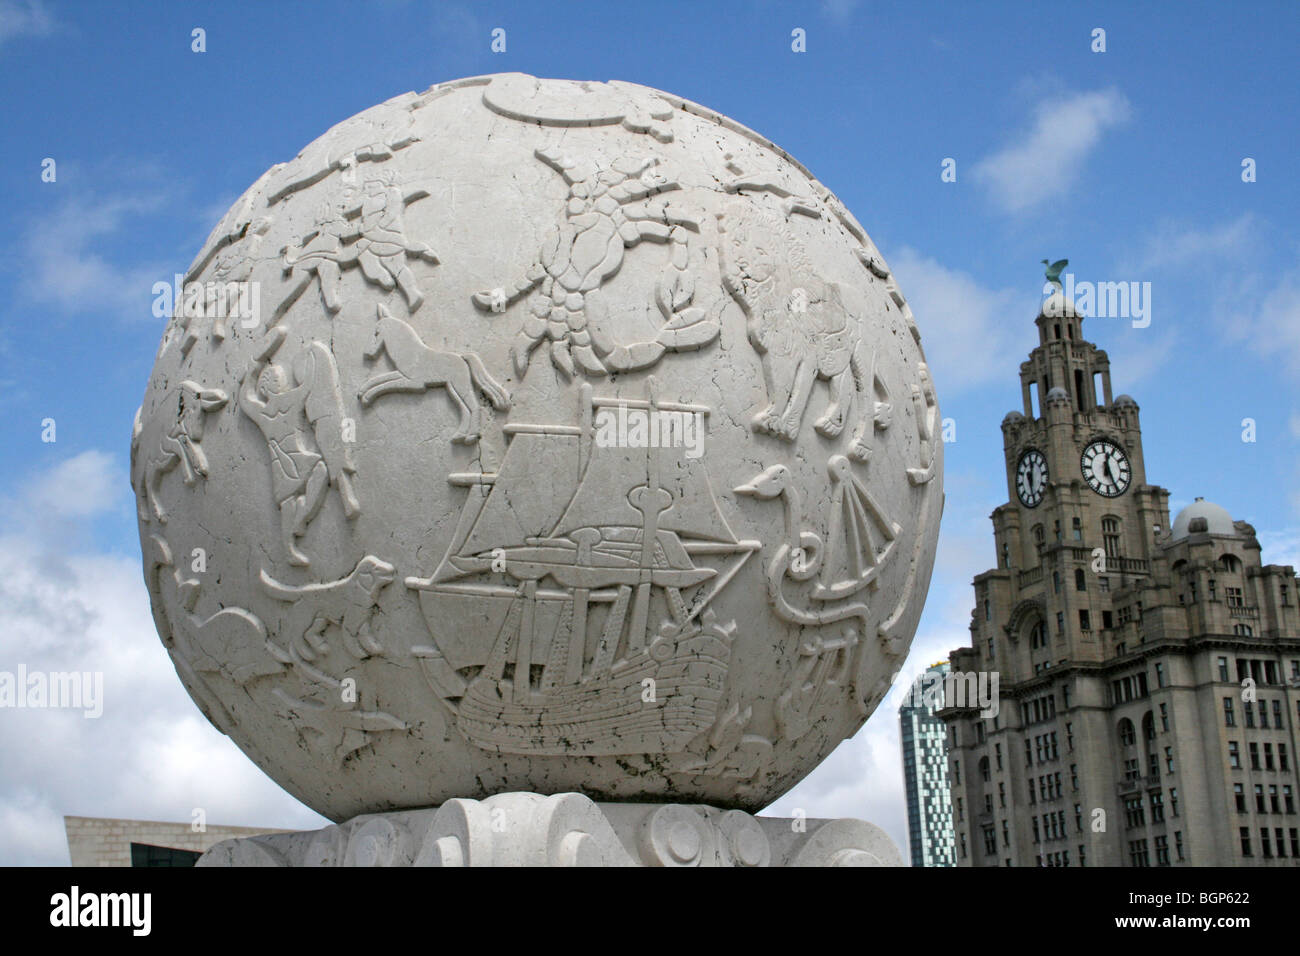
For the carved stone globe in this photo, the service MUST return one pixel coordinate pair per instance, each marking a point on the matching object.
(535, 435)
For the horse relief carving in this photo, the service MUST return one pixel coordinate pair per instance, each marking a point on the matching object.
(417, 368)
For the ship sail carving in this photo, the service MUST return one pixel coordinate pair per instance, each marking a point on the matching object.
(602, 562)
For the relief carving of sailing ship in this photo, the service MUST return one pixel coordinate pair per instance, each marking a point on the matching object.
(595, 567)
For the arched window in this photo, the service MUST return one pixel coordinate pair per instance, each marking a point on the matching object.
(1110, 530)
(1127, 735)
(1230, 563)
(1080, 584)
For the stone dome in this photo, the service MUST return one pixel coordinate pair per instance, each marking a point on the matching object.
(423, 463)
(1057, 394)
(1202, 516)
(1057, 306)
(1125, 401)
(1013, 418)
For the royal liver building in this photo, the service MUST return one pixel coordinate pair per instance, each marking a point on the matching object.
(1149, 672)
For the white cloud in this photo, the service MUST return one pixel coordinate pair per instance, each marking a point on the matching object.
(1266, 315)
(64, 269)
(19, 18)
(1280, 547)
(1176, 244)
(839, 11)
(82, 486)
(1047, 158)
(151, 755)
(971, 333)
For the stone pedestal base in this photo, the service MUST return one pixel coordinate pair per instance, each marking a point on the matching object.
(567, 829)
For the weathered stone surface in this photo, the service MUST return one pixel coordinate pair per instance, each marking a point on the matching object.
(566, 829)
(403, 535)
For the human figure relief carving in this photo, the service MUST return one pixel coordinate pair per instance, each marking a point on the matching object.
(303, 427)
(318, 610)
(568, 103)
(370, 234)
(417, 368)
(179, 445)
(803, 328)
(926, 406)
(227, 289)
(607, 212)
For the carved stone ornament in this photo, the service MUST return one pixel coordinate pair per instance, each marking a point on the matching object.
(566, 829)
(563, 437)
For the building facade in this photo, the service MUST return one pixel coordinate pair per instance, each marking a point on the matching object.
(100, 841)
(1149, 673)
(925, 771)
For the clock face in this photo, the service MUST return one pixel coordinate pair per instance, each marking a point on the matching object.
(1106, 468)
(1031, 478)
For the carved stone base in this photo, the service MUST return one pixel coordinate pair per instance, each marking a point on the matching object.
(567, 829)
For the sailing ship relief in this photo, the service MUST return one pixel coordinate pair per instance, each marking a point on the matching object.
(595, 565)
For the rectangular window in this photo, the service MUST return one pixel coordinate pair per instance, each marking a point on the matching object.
(1169, 759)
(1164, 718)
(1266, 849)
(1254, 755)
(1160, 675)
(1239, 793)
(1245, 841)
(1259, 798)
(1060, 622)
(1234, 597)
(1288, 798)
(1223, 668)
(1268, 756)
(1173, 806)
(1273, 804)
(1085, 624)
(1277, 715)
(1178, 842)
(1234, 755)
(1229, 719)
(1282, 760)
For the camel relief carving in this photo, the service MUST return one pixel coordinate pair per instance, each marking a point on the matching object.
(417, 368)
(304, 427)
(180, 444)
(803, 328)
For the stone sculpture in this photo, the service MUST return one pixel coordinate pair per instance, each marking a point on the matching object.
(632, 570)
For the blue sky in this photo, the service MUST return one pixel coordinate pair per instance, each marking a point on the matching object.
(1128, 162)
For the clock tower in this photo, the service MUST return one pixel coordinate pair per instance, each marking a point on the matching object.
(1120, 734)
(1076, 479)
